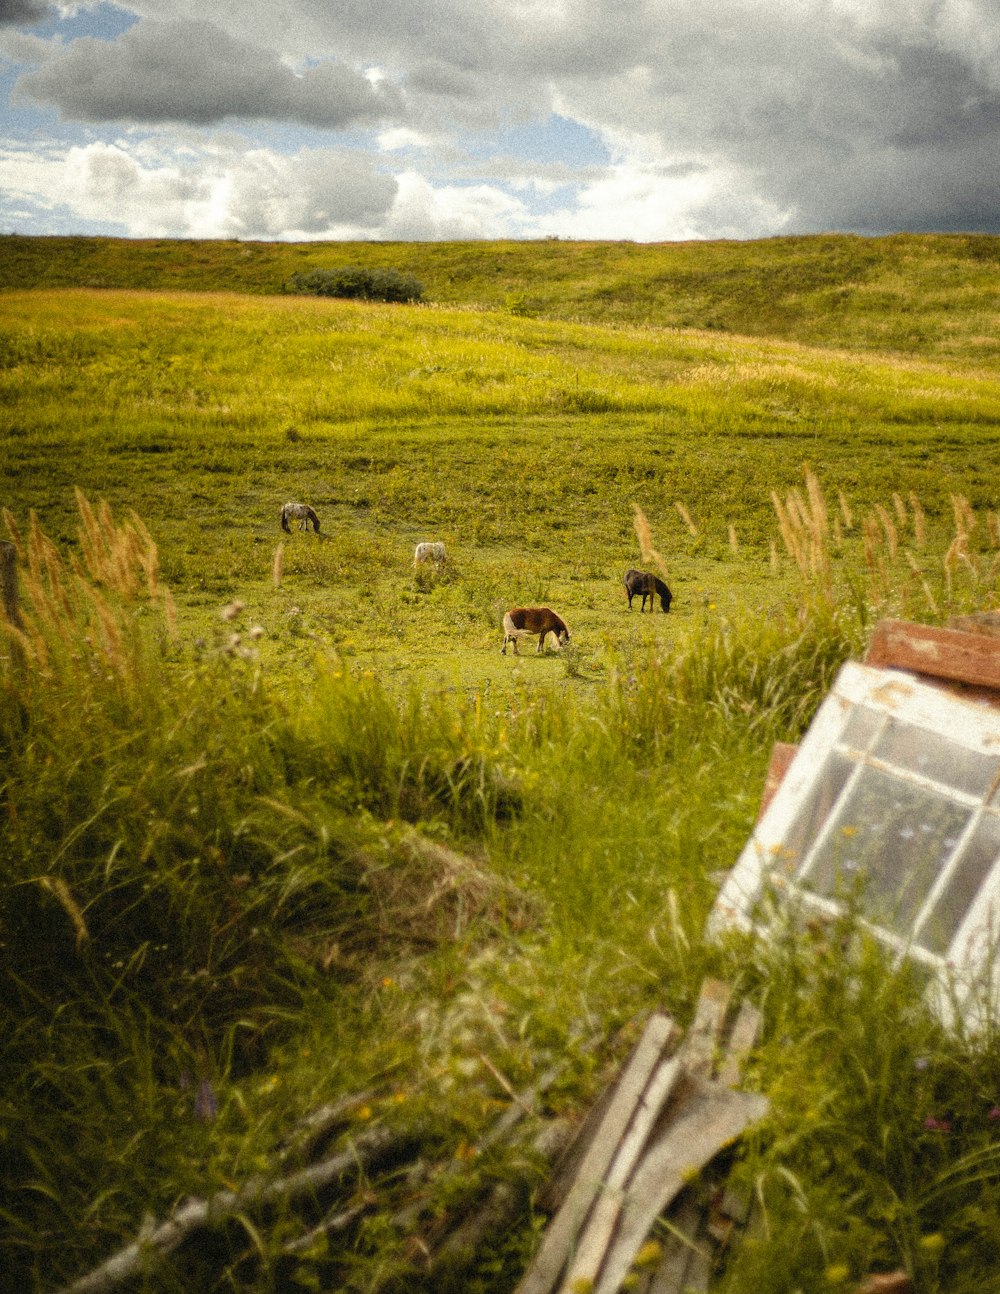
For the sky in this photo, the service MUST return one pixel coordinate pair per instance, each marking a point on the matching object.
(648, 120)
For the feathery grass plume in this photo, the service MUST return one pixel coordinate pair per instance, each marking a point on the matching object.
(965, 518)
(957, 554)
(817, 506)
(645, 537)
(919, 521)
(12, 530)
(845, 510)
(111, 632)
(92, 541)
(901, 514)
(169, 610)
(733, 541)
(796, 506)
(789, 533)
(57, 887)
(929, 597)
(146, 552)
(278, 566)
(685, 516)
(889, 526)
(879, 583)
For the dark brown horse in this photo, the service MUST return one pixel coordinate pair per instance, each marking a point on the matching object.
(649, 586)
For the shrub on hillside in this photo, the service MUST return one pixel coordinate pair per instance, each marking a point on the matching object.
(357, 283)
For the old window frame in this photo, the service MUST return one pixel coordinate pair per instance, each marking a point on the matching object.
(886, 701)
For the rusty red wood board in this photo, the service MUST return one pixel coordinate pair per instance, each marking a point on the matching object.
(935, 653)
(782, 754)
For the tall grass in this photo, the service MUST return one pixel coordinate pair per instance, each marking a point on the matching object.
(223, 898)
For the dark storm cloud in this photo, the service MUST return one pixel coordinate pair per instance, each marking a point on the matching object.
(22, 12)
(722, 117)
(195, 73)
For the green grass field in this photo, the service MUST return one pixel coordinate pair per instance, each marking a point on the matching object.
(232, 814)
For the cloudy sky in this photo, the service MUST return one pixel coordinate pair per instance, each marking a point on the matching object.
(427, 119)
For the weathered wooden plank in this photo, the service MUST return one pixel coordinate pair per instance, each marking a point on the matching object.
(702, 1039)
(670, 1276)
(562, 1231)
(953, 654)
(704, 1118)
(552, 1195)
(742, 1039)
(592, 1242)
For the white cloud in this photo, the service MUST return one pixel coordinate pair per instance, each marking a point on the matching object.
(422, 211)
(231, 193)
(732, 117)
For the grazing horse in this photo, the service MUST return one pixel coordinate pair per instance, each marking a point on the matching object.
(649, 586)
(521, 622)
(431, 552)
(300, 512)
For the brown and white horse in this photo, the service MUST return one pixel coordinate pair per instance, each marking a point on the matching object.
(300, 512)
(522, 622)
(649, 586)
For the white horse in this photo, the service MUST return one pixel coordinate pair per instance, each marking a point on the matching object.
(300, 512)
(431, 552)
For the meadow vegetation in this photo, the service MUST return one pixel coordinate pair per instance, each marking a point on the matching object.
(281, 824)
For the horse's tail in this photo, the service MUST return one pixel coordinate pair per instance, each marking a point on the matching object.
(284, 521)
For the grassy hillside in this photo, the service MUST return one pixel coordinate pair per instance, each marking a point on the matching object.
(283, 828)
(934, 295)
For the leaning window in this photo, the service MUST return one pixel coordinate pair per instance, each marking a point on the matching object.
(891, 806)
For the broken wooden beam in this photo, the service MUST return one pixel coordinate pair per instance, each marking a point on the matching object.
(703, 1118)
(560, 1236)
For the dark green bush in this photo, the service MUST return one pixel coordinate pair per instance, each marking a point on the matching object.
(357, 283)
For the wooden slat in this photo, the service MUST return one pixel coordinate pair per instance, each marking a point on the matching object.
(742, 1040)
(702, 1039)
(706, 1117)
(952, 654)
(562, 1231)
(592, 1242)
(670, 1276)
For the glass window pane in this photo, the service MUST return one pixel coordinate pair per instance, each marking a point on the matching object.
(977, 861)
(861, 727)
(814, 811)
(887, 846)
(934, 756)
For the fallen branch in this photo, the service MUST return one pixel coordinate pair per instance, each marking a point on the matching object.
(331, 1225)
(308, 1133)
(369, 1151)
